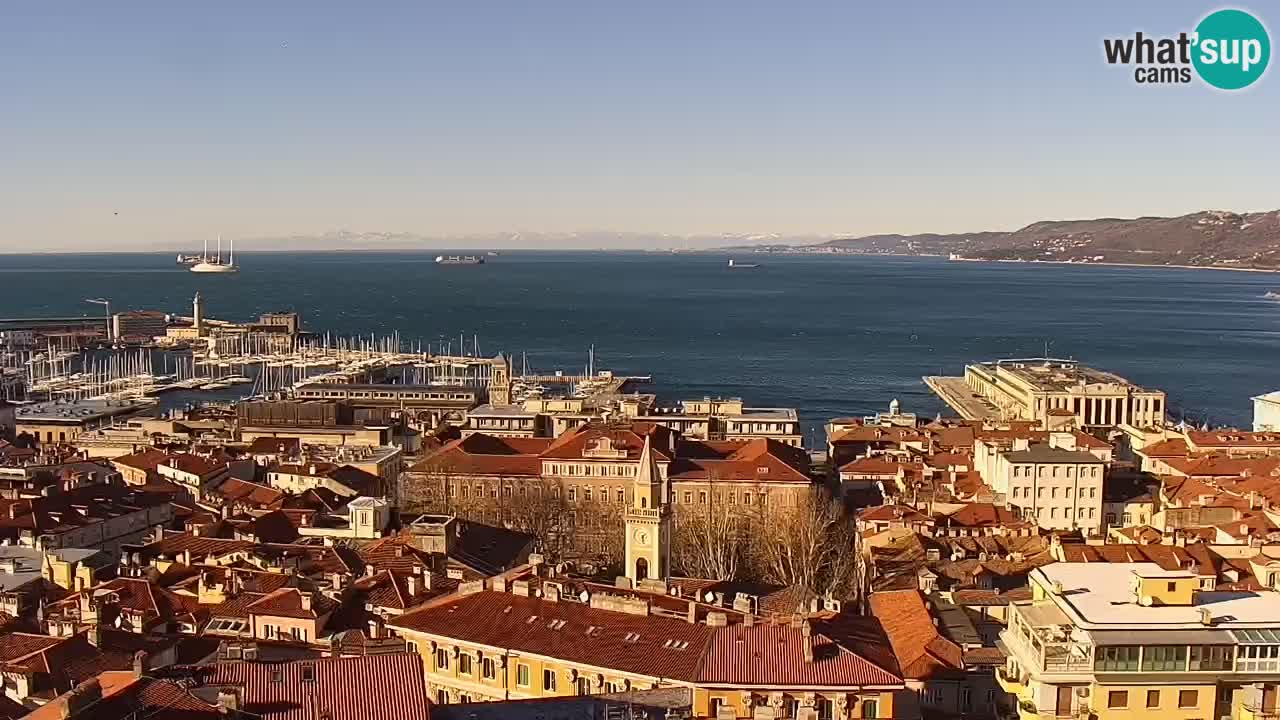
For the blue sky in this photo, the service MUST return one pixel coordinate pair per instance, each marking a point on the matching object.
(151, 124)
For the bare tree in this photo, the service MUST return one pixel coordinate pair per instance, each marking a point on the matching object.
(812, 544)
(711, 540)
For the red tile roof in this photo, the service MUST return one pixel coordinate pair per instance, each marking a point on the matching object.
(237, 490)
(147, 460)
(525, 625)
(773, 655)
(126, 696)
(921, 650)
(288, 602)
(375, 687)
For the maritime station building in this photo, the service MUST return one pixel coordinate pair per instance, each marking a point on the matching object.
(1053, 392)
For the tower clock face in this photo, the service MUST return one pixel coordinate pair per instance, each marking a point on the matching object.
(642, 537)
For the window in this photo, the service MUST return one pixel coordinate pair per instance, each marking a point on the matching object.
(1259, 658)
(1173, 587)
(1040, 491)
(442, 659)
(716, 704)
(1212, 657)
(869, 709)
(411, 646)
(966, 699)
(1118, 657)
(584, 686)
(549, 680)
(826, 708)
(702, 497)
(487, 669)
(308, 673)
(622, 496)
(1164, 657)
(688, 498)
(522, 675)
(586, 494)
(1153, 698)
(1118, 699)
(464, 664)
(1188, 698)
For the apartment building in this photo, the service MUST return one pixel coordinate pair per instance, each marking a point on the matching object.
(1135, 640)
(1058, 483)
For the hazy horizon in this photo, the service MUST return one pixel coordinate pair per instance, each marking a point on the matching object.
(153, 126)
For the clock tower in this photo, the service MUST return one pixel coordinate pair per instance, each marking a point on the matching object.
(648, 522)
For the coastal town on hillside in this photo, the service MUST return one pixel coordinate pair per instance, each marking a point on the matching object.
(358, 529)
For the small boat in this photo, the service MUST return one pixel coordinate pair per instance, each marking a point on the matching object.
(734, 265)
(1272, 295)
(459, 260)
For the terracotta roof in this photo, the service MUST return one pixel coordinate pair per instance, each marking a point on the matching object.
(194, 464)
(984, 515)
(288, 602)
(755, 461)
(627, 437)
(891, 513)
(1173, 447)
(126, 696)
(481, 454)
(375, 687)
(567, 630)
(147, 460)
(390, 589)
(921, 650)
(1233, 439)
(237, 490)
(773, 655)
(1168, 557)
(870, 466)
(891, 435)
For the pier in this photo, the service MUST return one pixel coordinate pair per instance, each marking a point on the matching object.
(957, 394)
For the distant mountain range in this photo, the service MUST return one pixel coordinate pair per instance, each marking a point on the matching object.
(583, 240)
(1203, 239)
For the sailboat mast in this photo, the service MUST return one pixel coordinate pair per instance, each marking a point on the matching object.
(219, 248)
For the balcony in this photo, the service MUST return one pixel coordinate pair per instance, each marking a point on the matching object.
(1255, 711)
(1011, 684)
(1034, 652)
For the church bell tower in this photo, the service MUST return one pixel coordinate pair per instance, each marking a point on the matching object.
(648, 522)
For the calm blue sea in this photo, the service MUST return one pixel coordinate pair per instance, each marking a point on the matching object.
(831, 335)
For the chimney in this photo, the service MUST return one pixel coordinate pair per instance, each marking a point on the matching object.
(551, 592)
(412, 584)
(229, 700)
(498, 584)
(94, 635)
(140, 663)
(692, 613)
(306, 600)
(748, 620)
(806, 632)
(313, 469)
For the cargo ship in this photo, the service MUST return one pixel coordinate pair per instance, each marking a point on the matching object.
(459, 260)
(742, 266)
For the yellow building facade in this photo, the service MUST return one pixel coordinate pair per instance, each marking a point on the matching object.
(1122, 641)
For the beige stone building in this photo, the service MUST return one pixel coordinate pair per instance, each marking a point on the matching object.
(1041, 389)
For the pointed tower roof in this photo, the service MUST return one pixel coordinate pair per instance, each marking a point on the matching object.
(648, 474)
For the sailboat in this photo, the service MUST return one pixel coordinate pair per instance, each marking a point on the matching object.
(216, 265)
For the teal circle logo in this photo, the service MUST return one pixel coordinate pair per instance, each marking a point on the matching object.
(1231, 49)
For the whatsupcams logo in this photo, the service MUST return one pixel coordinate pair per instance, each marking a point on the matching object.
(1229, 50)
